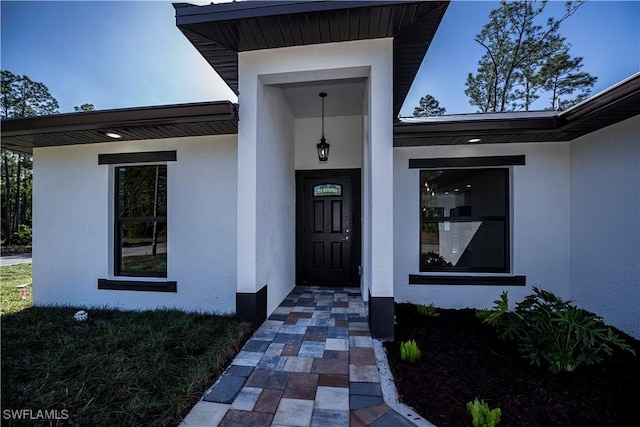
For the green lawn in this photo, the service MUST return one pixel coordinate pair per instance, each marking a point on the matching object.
(116, 368)
(10, 277)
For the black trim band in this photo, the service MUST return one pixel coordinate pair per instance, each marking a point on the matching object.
(417, 279)
(252, 306)
(381, 317)
(466, 162)
(136, 285)
(140, 157)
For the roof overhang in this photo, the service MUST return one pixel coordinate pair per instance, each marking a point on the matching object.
(220, 31)
(608, 107)
(611, 106)
(171, 121)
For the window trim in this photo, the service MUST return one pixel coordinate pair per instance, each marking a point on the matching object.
(467, 162)
(138, 157)
(138, 285)
(507, 216)
(420, 279)
(117, 249)
(484, 162)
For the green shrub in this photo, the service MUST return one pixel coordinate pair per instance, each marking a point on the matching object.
(549, 329)
(428, 310)
(481, 415)
(22, 236)
(409, 351)
(483, 314)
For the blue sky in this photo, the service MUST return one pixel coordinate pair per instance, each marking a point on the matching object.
(130, 53)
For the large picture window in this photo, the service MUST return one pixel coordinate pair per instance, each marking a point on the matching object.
(464, 220)
(141, 221)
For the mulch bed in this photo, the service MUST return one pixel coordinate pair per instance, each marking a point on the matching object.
(462, 360)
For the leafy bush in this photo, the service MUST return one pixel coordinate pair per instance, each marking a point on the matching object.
(409, 351)
(481, 415)
(550, 329)
(482, 315)
(428, 310)
(23, 236)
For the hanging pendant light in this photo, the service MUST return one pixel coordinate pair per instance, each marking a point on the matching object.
(323, 146)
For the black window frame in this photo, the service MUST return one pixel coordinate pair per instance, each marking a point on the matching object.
(506, 219)
(117, 223)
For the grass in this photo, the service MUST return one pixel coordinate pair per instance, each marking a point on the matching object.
(116, 368)
(10, 277)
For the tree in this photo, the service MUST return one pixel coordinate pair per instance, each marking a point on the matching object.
(84, 108)
(20, 97)
(564, 78)
(428, 106)
(521, 59)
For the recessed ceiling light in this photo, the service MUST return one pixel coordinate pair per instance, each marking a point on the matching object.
(468, 185)
(113, 135)
(472, 140)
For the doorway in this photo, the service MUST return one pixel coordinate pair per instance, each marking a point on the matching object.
(328, 227)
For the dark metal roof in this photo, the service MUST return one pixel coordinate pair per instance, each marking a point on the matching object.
(220, 31)
(170, 121)
(610, 106)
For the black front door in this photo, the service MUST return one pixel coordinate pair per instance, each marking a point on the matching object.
(328, 227)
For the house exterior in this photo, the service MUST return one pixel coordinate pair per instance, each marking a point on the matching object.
(223, 207)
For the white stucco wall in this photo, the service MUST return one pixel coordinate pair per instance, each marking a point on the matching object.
(276, 211)
(73, 219)
(539, 222)
(369, 59)
(344, 133)
(605, 224)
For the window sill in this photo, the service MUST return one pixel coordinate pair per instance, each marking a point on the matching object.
(137, 285)
(418, 279)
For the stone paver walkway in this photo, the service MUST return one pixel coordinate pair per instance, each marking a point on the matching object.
(312, 363)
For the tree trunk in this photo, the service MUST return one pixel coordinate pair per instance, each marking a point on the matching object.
(18, 205)
(154, 247)
(8, 231)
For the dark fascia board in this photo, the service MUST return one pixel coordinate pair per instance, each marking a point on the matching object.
(607, 107)
(477, 124)
(255, 9)
(626, 91)
(118, 118)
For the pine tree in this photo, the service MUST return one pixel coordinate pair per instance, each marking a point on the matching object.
(428, 106)
(20, 97)
(522, 59)
(84, 108)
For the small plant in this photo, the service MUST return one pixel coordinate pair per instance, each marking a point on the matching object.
(428, 310)
(409, 351)
(552, 330)
(482, 415)
(483, 314)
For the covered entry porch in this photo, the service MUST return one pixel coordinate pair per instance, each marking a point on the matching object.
(305, 221)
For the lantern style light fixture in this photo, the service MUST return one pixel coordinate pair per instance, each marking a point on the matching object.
(323, 146)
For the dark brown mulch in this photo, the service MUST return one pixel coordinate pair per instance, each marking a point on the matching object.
(462, 359)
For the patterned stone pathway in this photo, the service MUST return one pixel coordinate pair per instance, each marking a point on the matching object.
(312, 363)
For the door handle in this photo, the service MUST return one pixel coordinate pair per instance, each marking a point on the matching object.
(347, 234)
